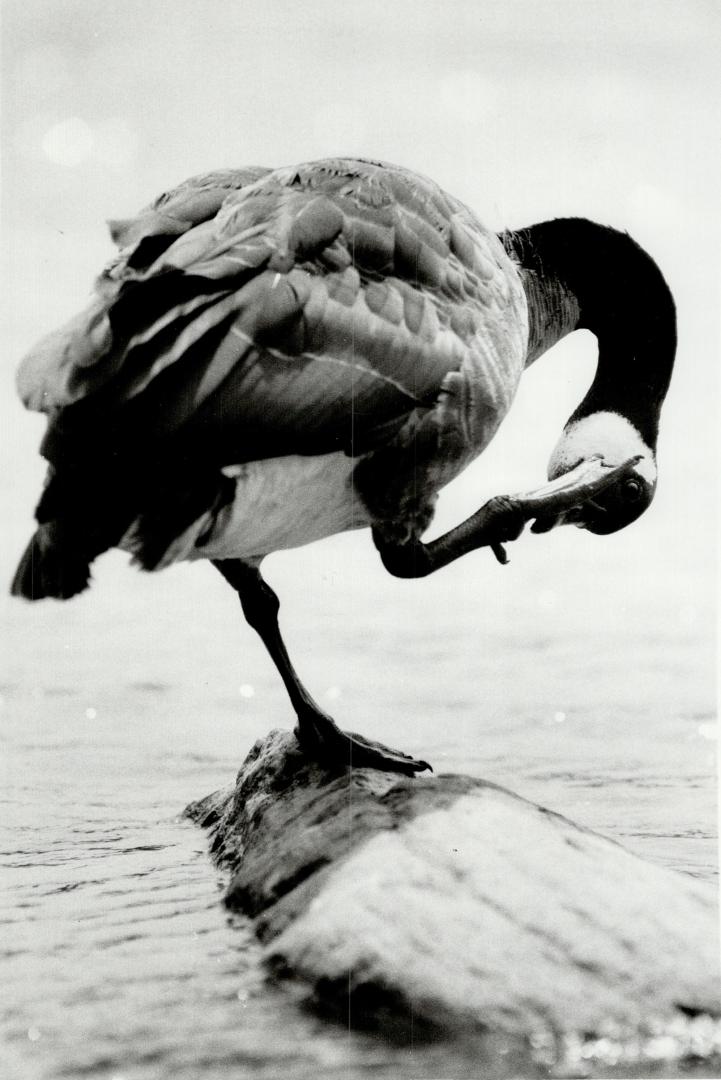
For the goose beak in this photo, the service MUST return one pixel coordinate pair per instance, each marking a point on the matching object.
(560, 501)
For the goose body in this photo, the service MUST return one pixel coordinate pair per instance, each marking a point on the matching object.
(275, 504)
(275, 356)
(329, 311)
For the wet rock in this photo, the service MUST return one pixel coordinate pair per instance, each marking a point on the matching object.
(450, 903)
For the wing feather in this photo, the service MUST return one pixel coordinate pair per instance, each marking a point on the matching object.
(258, 312)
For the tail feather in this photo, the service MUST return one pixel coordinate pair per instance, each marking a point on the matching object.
(174, 510)
(50, 567)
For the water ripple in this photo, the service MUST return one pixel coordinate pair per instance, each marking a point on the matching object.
(118, 958)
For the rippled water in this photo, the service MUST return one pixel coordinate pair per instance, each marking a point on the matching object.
(592, 697)
(581, 676)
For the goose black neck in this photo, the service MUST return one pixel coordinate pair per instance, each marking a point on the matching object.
(579, 275)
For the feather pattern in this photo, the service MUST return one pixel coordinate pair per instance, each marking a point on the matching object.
(336, 279)
(339, 305)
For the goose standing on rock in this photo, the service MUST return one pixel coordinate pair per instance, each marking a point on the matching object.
(275, 356)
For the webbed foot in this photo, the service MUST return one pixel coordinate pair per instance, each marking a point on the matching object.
(321, 738)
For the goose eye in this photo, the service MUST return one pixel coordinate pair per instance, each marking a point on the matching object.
(631, 490)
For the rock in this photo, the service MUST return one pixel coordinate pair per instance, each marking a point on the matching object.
(457, 903)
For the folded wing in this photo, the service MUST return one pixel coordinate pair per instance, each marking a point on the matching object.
(254, 313)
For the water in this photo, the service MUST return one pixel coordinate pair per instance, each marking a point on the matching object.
(580, 676)
(592, 695)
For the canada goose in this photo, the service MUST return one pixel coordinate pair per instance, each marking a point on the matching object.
(275, 356)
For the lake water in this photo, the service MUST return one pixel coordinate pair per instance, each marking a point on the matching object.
(580, 676)
(591, 693)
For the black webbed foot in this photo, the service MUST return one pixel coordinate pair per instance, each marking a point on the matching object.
(321, 738)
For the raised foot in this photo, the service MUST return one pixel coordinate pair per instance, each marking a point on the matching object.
(322, 739)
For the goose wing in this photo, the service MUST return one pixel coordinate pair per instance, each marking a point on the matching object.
(256, 313)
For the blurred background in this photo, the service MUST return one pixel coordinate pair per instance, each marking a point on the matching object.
(582, 675)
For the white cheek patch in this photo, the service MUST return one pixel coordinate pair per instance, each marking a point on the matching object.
(605, 434)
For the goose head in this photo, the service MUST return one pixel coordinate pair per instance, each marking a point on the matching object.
(602, 443)
(580, 275)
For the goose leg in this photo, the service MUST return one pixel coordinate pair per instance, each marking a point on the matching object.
(501, 520)
(318, 734)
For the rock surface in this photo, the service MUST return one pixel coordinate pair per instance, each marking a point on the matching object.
(453, 904)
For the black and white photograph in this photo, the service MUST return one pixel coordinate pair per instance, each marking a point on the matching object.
(360, 406)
